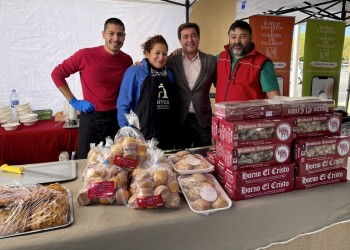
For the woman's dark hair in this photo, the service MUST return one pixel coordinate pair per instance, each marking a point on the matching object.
(151, 41)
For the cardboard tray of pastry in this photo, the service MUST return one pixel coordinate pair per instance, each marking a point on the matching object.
(203, 193)
(184, 162)
(34, 208)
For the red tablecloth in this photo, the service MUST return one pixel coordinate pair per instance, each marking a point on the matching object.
(42, 142)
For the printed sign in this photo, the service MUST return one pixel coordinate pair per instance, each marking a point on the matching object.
(273, 36)
(324, 41)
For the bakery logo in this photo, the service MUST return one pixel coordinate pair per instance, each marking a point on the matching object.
(163, 99)
(308, 110)
(343, 147)
(282, 153)
(284, 131)
(333, 124)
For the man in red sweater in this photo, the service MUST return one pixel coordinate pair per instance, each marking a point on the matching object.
(101, 71)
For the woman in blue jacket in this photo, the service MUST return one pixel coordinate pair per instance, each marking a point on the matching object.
(148, 90)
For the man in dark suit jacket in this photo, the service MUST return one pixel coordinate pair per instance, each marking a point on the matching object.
(194, 73)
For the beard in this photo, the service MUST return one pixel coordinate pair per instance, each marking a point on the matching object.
(241, 51)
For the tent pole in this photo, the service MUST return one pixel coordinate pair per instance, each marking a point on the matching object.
(343, 11)
(347, 96)
(187, 5)
(295, 61)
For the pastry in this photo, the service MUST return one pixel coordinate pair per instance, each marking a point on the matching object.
(83, 198)
(163, 191)
(141, 150)
(201, 205)
(198, 177)
(117, 149)
(173, 185)
(50, 214)
(106, 201)
(122, 196)
(193, 193)
(144, 192)
(219, 203)
(173, 201)
(144, 179)
(183, 165)
(130, 148)
(160, 177)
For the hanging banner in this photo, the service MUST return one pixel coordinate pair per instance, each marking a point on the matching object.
(273, 36)
(323, 52)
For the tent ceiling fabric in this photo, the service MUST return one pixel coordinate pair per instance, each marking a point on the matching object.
(302, 10)
(38, 35)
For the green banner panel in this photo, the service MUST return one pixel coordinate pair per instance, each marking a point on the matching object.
(323, 51)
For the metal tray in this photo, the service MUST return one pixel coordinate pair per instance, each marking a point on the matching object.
(66, 168)
(69, 222)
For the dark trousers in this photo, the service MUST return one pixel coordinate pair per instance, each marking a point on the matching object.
(192, 135)
(94, 128)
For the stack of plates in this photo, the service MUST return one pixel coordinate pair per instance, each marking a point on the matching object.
(23, 109)
(28, 119)
(10, 126)
(5, 114)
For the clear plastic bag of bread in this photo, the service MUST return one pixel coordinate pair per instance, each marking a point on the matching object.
(103, 183)
(100, 153)
(130, 148)
(155, 185)
(35, 207)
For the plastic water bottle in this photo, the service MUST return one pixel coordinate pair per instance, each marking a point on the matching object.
(14, 98)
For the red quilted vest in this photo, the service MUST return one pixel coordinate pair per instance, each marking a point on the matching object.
(244, 83)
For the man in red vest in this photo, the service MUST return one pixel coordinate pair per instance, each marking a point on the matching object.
(242, 72)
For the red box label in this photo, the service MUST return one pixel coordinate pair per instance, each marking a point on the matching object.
(307, 107)
(256, 156)
(317, 125)
(103, 189)
(319, 154)
(251, 190)
(243, 177)
(323, 178)
(125, 162)
(258, 132)
(150, 202)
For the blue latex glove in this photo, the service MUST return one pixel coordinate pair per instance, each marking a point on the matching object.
(82, 105)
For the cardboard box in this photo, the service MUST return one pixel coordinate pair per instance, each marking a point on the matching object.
(215, 127)
(244, 158)
(243, 177)
(305, 106)
(322, 178)
(248, 110)
(257, 132)
(211, 155)
(219, 148)
(255, 189)
(317, 125)
(318, 154)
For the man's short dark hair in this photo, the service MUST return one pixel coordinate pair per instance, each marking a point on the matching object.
(186, 26)
(115, 21)
(242, 25)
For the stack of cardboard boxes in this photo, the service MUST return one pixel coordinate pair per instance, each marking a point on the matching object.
(259, 149)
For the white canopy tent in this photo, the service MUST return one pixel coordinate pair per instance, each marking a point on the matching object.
(36, 35)
(302, 10)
